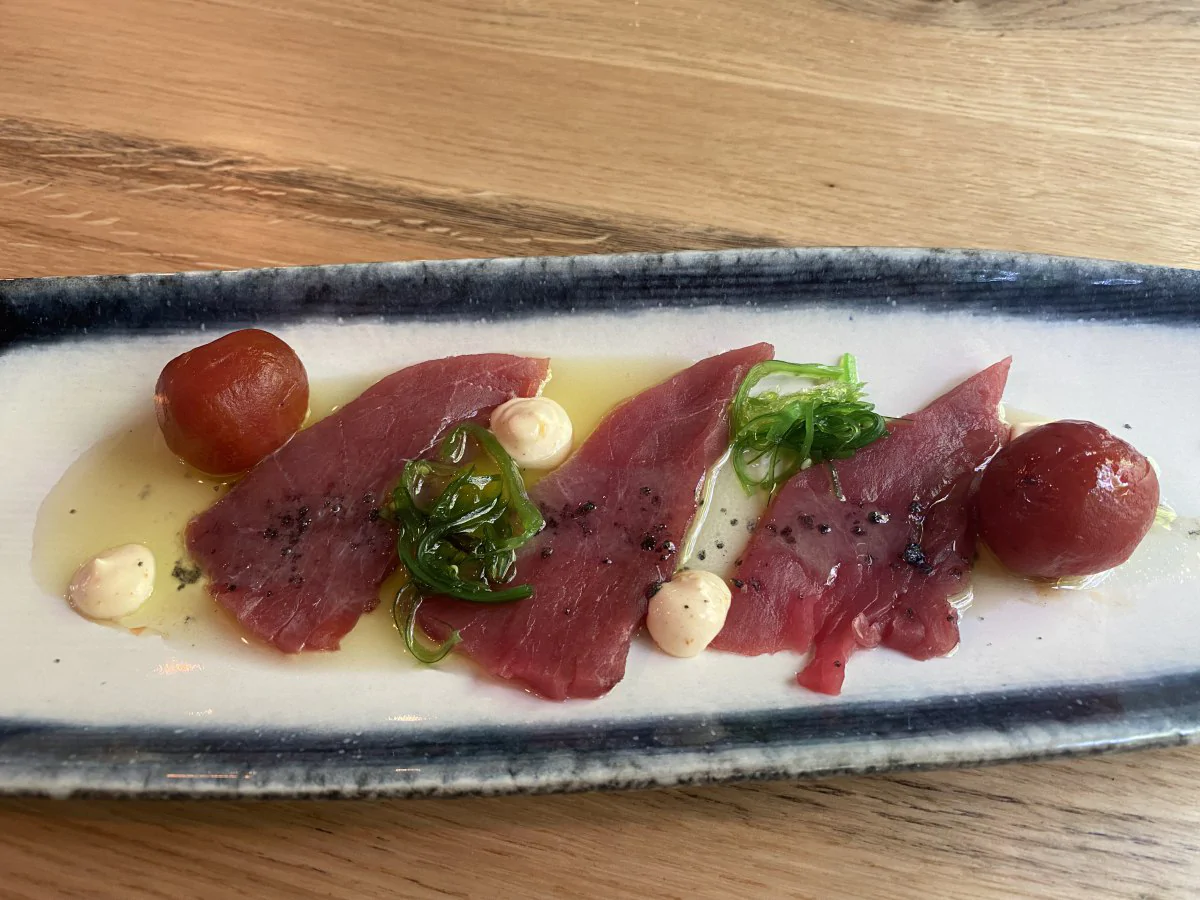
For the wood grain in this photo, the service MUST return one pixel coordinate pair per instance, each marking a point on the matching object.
(179, 134)
(1027, 14)
(170, 134)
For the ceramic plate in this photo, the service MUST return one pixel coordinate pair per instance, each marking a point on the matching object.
(89, 709)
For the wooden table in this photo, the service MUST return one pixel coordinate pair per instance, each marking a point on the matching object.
(182, 134)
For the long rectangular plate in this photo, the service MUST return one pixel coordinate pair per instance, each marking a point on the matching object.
(90, 710)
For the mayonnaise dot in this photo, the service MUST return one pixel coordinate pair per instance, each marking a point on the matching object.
(114, 583)
(688, 612)
(535, 431)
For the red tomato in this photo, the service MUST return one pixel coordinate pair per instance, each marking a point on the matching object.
(226, 405)
(1066, 499)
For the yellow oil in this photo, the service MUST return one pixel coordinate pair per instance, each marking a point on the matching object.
(130, 488)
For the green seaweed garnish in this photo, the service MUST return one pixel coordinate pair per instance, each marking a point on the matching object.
(459, 528)
(774, 435)
(404, 615)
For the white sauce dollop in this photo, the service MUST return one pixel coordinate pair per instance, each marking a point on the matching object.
(114, 583)
(535, 431)
(688, 612)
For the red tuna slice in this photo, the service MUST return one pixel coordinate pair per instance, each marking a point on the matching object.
(616, 512)
(297, 551)
(882, 565)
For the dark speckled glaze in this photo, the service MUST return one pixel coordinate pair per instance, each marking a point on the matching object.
(974, 281)
(45, 758)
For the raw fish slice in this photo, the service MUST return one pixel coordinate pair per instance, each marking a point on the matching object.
(616, 514)
(297, 550)
(880, 566)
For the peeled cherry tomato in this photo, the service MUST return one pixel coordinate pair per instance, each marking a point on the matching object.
(226, 405)
(1066, 499)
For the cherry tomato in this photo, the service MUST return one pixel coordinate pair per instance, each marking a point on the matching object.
(1066, 499)
(226, 405)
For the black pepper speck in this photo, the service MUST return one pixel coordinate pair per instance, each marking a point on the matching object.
(185, 575)
(915, 556)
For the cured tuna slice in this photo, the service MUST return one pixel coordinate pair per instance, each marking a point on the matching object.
(881, 565)
(616, 513)
(297, 551)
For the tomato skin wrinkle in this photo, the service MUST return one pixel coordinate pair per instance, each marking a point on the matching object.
(1066, 499)
(226, 405)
